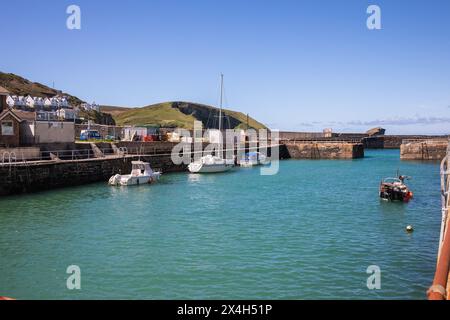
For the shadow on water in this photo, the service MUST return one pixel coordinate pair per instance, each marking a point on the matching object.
(393, 207)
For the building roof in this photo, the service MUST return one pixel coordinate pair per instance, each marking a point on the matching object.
(9, 111)
(19, 115)
(3, 91)
(25, 115)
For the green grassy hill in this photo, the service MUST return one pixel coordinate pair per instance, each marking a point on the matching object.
(168, 114)
(182, 115)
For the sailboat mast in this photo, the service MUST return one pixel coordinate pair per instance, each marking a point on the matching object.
(221, 98)
(220, 117)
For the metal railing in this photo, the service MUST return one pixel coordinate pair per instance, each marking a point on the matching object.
(440, 290)
(10, 158)
(324, 140)
(435, 140)
(445, 196)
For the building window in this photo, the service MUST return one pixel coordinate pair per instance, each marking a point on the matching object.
(7, 128)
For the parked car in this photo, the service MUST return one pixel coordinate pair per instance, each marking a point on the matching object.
(90, 135)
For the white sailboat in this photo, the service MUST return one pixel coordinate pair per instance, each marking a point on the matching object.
(210, 163)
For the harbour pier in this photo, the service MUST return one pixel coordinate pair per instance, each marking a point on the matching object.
(319, 149)
(88, 163)
(424, 149)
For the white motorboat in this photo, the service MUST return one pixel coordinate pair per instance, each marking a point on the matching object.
(141, 173)
(210, 163)
(251, 159)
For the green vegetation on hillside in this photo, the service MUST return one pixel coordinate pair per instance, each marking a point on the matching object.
(168, 114)
(97, 117)
(182, 115)
(157, 115)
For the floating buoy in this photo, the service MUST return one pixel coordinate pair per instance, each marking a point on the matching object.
(409, 228)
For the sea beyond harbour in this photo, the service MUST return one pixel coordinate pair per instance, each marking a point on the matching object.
(308, 232)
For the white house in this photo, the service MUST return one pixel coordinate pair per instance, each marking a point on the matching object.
(22, 103)
(90, 106)
(38, 103)
(11, 101)
(66, 114)
(29, 101)
(61, 101)
(46, 116)
(50, 103)
(17, 102)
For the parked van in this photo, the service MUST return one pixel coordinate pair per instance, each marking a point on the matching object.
(90, 135)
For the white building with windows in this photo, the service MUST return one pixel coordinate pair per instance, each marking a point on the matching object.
(16, 101)
(61, 101)
(66, 114)
(51, 103)
(37, 103)
(90, 106)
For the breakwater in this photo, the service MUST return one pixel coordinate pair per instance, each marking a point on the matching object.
(393, 141)
(322, 150)
(432, 149)
(369, 141)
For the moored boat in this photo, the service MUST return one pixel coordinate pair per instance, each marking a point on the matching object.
(141, 173)
(210, 163)
(251, 159)
(395, 189)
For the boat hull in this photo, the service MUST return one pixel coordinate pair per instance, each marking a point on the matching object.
(128, 180)
(209, 168)
(395, 193)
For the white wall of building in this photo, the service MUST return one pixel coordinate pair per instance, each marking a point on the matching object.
(46, 132)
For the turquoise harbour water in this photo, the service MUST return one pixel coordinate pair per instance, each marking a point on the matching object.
(309, 232)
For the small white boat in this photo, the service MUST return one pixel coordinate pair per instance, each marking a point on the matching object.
(141, 173)
(211, 164)
(251, 159)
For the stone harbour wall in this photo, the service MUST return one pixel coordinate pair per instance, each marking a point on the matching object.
(424, 150)
(325, 150)
(22, 178)
(16, 178)
(394, 141)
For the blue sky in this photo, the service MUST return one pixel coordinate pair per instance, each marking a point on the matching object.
(294, 65)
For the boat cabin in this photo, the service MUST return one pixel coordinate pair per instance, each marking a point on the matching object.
(139, 168)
